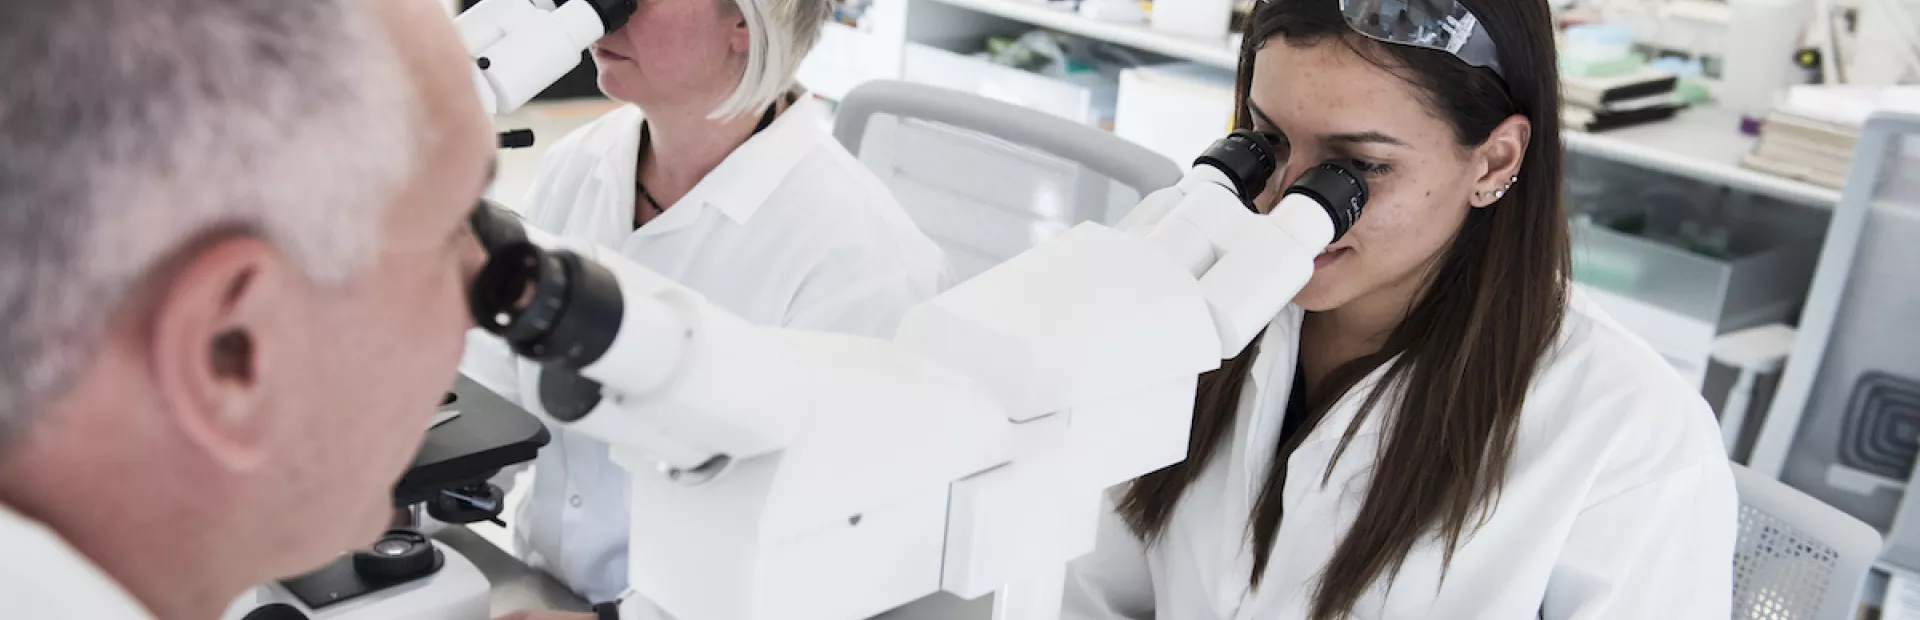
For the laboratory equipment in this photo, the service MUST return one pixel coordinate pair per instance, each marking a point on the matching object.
(519, 47)
(1087, 348)
(405, 575)
(803, 475)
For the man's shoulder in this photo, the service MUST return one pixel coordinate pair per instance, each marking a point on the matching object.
(41, 576)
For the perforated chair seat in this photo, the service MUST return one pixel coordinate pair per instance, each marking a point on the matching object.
(1796, 558)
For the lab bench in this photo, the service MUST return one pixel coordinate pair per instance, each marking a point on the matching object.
(515, 586)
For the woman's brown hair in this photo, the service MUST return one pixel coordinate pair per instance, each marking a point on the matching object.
(1460, 363)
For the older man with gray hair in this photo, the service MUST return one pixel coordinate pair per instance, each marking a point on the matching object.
(233, 251)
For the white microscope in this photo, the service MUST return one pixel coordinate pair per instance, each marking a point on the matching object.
(797, 475)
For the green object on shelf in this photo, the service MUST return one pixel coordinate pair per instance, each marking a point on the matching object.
(1016, 54)
(1606, 272)
(1692, 91)
(1608, 68)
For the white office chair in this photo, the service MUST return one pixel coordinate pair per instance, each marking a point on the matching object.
(986, 179)
(1797, 558)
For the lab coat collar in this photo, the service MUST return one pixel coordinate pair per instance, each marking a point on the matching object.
(1279, 341)
(41, 576)
(747, 178)
(1273, 370)
(1272, 384)
(736, 188)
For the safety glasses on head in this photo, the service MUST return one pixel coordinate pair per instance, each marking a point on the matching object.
(1444, 25)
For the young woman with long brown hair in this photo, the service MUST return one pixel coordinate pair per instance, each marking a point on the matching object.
(1439, 427)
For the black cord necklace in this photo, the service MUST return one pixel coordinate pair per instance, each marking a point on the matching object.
(766, 120)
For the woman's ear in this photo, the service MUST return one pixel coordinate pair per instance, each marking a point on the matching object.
(741, 38)
(1501, 158)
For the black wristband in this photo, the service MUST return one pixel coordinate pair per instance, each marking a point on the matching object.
(608, 611)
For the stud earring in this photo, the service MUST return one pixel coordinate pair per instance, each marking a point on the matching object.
(1502, 192)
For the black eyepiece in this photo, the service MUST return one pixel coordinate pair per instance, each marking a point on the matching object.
(1340, 189)
(1246, 157)
(505, 294)
(550, 306)
(613, 13)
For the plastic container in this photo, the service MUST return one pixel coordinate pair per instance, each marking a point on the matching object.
(1597, 43)
(1694, 259)
(1203, 19)
(1731, 259)
(1760, 53)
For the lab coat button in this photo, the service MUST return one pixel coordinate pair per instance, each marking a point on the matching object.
(575, 501)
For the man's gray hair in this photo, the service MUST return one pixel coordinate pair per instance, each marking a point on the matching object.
(136, 129)
(782, 32)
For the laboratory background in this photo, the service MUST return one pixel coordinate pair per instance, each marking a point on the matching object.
(1742, 181)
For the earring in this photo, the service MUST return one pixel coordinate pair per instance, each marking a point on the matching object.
(1502, 192)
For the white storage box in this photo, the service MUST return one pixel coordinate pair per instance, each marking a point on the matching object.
(1175, 109)
(938, 67)
(845, 58)
(1201, 19)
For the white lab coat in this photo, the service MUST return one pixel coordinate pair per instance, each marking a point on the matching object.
(41, 576)
(1618, 504)
(790, 230)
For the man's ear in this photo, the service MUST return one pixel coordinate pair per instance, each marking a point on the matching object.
(208, 348)
(1501, 158)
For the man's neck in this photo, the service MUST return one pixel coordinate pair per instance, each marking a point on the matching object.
(684, 146)
(140, 533)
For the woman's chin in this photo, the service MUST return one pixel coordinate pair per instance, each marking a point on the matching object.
(617, 86)
(1320, 295)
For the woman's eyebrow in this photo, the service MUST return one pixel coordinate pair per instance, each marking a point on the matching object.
(1364, 137)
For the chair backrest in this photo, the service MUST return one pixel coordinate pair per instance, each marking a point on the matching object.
(987, 180)
(1840, 423)
(1797, 558)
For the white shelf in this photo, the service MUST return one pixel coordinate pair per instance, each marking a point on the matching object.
(1703, 143)
(1217, 53)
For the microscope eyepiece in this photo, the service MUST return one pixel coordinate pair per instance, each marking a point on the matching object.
(613, 13)
(1246, 157)
(515, 295)
(1339, 189)
(551, 306)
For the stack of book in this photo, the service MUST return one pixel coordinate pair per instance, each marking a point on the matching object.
(1800, 146)
(1601, 103)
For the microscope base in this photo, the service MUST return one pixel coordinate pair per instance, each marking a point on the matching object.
(458, 591)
